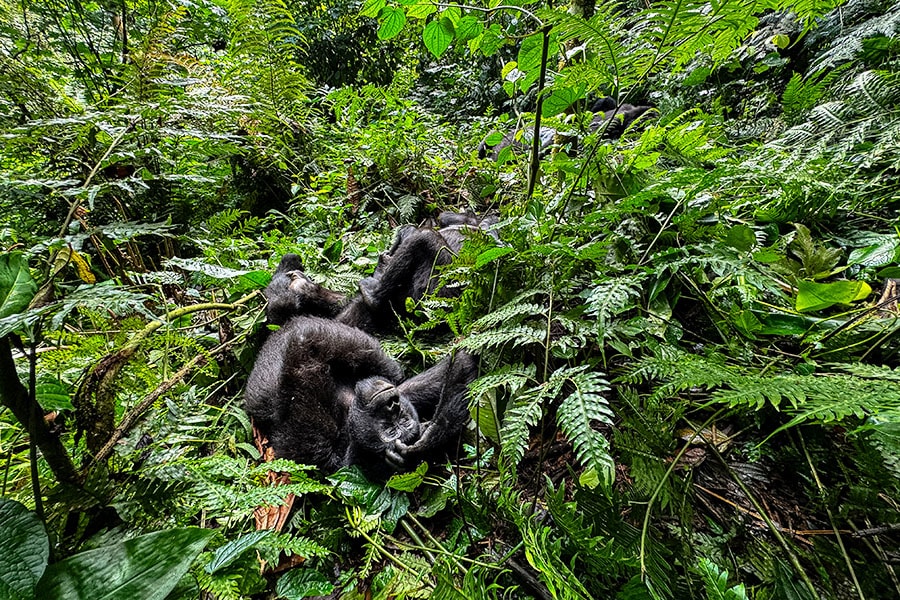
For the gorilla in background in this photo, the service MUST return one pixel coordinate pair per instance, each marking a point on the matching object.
(326, 394)
(407, 269)
(611, 121)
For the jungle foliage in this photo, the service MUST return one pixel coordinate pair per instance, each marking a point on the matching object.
(688, 336)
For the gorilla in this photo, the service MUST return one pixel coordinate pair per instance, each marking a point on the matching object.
(326, 394)
(609, 119)
(613, 122)
(407, 269)
(519, 140)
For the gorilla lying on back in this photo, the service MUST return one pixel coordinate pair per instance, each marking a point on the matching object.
(406, 270)
(326, 394)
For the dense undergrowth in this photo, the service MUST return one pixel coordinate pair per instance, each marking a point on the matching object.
(688, 337)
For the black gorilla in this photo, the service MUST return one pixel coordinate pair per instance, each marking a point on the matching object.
(406, 270)
(611, 120)
(326, 394)
(519, 140)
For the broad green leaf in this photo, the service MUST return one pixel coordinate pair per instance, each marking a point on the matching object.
(781, 41)
(146, 567)
(876, 255)
(561, 99)
(492, 39)
(438, 35)
(392, 22)
(53, 395)
(740, 237)
(230, 552)
(17, 287)
(407, 482)
(25, 551)
(303, 583)
(372, 7)
(421, 10)
(469, 28)
(818, 296)
(529, 57)
(452, 13)
(590, 478)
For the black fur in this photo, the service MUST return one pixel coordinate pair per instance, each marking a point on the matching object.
(326, 394)
(605, 109)
(618, 120)
(520, 142)
(406, 270)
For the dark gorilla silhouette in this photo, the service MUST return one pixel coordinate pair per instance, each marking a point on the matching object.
(605, 111)
(407, 269)
(520, 142)
(326, 394)
(613, 122)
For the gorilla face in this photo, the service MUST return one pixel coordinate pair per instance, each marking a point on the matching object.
(381, 420)
(326, 394)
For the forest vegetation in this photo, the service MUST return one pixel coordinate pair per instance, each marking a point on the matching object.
(688, 335)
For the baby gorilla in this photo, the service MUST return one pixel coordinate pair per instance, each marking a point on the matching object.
(326, 394)
(406, 270)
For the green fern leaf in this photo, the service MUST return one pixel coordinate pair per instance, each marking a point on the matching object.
(519, 418)
(576, 415)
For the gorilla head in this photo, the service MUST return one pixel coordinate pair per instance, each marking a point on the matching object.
(326, 394)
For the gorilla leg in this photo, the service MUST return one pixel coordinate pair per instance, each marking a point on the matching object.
(405, 271)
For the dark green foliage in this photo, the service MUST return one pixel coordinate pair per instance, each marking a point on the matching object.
(687, 335)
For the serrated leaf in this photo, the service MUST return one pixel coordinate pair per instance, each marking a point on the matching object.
(818, 296)
(145, 567)
(198, 266)
(26, 550)
(17, 287)
(438, 35)
(230, 552)
(407, 482)
(392, 22)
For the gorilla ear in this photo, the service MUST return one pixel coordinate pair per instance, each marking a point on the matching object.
(289, 262)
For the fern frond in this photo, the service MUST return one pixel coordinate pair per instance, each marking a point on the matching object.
(523, 414)
(680, 371)
(848, 41)
(544, 555)
(519, 335)
(866, 371)
(511, 377)
(576, 415)
(516, 309)
(612, 297)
